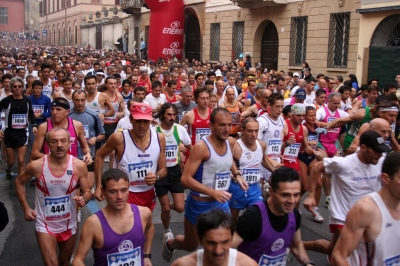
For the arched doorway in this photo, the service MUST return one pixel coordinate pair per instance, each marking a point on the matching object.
(192, 36)
(384, 50)
(269, 47)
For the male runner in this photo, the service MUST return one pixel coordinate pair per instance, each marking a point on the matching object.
(93, 131)
(175, 136)
(169, 92)
(249, 153)
(66, 92)
(139, 152)
(267, 229)
(185, 104)
(198, 119)
(352, 177)
(214, 231)
(55, 215)
(235, 108)
(59, 118)
(373, 223)
(117, 101)
(259, 108)
(295, 139)
(373, 93)
(208, 176)
(119, 232)
(18, 111)
(48, 84)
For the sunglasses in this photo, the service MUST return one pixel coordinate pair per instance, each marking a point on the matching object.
(17, 86)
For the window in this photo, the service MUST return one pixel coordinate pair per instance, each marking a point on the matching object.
(298, 41)
(3, 15)
(117, 2)
(214, 41)
(237, 39)
(338, 40)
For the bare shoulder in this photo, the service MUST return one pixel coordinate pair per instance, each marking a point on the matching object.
(244, 260)
(77, 123)
(144, 212)
(188, 260)
(232, 142)
(262, 144)
(78, 164)
(365, 208)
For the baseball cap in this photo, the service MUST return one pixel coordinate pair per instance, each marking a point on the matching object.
(300, 94)
(141, 111)
(298, 109)
(218, 73)
(142, 69)
(296, 74)
(374, 140)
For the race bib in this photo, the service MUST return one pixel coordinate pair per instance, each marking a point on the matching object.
(86, 132)
(279, 260)
(235, 118)
(171, 155)
(111, 119)
(222, 180)
(313, 138)
(127, 258)
(201, 133)
(18, 121)
(274, 148)
(38, 109)
(251, 175)
(137, 172)
(177, 92)
(291, 152)
(333, 130)
(46, 93)
(57, 208)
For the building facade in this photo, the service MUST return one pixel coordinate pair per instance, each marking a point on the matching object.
(12, 16)
(60, 20)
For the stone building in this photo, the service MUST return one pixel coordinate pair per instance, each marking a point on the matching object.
(61, 19)
(10, 18)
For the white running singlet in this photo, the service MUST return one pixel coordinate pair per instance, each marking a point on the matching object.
(54, 204)
(250, 163)
(231, 260)
(95, 105)
(138, 163)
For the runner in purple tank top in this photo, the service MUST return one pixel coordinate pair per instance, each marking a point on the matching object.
(267, 229)
(118, 232)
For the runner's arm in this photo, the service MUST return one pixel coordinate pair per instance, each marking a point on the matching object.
(32, 117)
(23, 178)
(393, 142)
(356, 141)
(162, 161)
(339, 122)
(234, 170)
(82, 172)
(47, 109)
(82, 141)
(39, 141)
(85, 241)
(236, 240)
(358, 219)
(107, 105)
(248, 112)
(148, 230)
(298, 250)
(186, 118)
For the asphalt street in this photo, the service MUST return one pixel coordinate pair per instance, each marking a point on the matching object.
(18, 242)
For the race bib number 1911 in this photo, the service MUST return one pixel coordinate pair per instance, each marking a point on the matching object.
(251, 175)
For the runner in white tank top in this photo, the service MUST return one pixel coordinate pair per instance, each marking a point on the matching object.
(55, 215)
(231, 259)
(95, 105)
(371, 234)
(48, 89)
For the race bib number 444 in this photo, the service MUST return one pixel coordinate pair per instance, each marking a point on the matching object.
(57, 208)
(138, 171)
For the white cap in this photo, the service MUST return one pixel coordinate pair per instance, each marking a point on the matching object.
(218, 73)
(296, 74)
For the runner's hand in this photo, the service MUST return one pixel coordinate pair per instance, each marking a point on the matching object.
(243, 184)
(92, 141)
(34, 131)
(80, 201)
(1, 134)
(150, 179)
(182, 147)
(98, 195)
(147, 262)
(309, 203)
(321, 130)
(30, 215)
(101, 116)
(221, 196)
(87, 159)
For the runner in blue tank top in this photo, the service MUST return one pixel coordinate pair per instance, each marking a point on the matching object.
(120, 233)
(208, 175)
(267, 229)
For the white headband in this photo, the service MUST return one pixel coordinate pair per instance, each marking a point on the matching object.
(391, 108)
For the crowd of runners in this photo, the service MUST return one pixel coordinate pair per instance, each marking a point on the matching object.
(237, 137)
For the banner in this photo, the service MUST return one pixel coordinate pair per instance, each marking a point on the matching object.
(166, 28)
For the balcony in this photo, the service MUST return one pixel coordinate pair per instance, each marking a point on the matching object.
(132, 6)
(258, 3)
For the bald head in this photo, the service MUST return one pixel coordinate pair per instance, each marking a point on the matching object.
(381, 126)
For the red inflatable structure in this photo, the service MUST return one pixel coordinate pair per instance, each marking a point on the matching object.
(166, 28)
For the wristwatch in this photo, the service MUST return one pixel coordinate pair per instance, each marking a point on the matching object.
(310, 262)
(158, 177)
(147, 256)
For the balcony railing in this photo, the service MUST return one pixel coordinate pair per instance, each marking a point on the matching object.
(128, 4)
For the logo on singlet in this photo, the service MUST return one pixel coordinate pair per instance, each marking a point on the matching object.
(248, 155)
(69, 172)
(278, 244)
(126, 245)
(276, 133)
